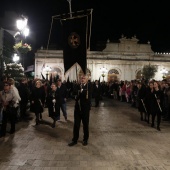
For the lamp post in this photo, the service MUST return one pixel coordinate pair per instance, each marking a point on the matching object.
(15, 58)
(164, 72)
(47, 69)
(103, 71)
(23, 32)
(69, 1)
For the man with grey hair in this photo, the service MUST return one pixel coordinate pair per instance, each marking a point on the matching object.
(82, 111)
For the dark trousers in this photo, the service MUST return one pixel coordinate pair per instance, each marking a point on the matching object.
(8, 116)
(78, 117)
(23, 109)
(97, 99)
(37, 117)
(158, 119)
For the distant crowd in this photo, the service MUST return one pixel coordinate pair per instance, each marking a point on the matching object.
(151, 98)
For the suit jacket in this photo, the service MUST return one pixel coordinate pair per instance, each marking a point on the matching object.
(97, 91)
(83, 100)
(62, 94)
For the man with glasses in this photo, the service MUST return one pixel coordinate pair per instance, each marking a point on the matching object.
(82, 111)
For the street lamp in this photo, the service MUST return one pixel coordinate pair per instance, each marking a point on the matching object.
(103, 71)
(23, 32)
(15, 58)
(164, 72)
(47, 69)
(22, 26)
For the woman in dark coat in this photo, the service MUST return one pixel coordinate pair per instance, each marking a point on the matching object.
(53, 104)
(157, 103)
(141, 93)
(37, 100)
(149, 99)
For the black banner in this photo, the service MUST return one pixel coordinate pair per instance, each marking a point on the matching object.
(75, 42)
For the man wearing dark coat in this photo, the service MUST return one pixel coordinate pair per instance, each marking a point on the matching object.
(82, 111)
(62, 97)
(97, 92)
(24, 94)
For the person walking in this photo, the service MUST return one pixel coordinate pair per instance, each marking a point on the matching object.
(141, 94)
(156, 109)
(38, 100)
(82, 111)
(8, 103)
(97, 93)
(53, 105)
(24, 94)
(62, 98)
(16, 92)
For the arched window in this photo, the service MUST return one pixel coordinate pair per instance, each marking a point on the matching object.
(113, 75)
(56, 72)
(139, 75)
(113, 71)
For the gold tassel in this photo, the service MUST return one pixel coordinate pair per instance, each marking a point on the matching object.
(87, 95)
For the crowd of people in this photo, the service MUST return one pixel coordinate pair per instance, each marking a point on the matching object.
(152, 99)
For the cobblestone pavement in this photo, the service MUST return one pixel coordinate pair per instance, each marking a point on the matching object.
(118, 141)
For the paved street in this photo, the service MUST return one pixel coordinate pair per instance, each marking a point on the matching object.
(118, 141)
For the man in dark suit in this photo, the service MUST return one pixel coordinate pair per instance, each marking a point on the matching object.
(97, 92)
(82, 111)
(25, 95)
(62, 97)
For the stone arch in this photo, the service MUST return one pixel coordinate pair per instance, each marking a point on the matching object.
(56, 72)
(139, 74)
(113, 75)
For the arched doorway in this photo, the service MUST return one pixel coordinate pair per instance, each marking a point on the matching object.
(56, 72)
(113, 75)
(139, 75)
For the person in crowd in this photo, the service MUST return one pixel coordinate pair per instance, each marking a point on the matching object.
(82, 111)
(24, 94)
(3, 78)
(53, 104)
(166, 103)
(141, 94)
(8, 103)
(62, 97)
(38, 100)
(156, 109)
(16, 92)
(134, 90)
(128, 92)
(149, 100)
(97, 91)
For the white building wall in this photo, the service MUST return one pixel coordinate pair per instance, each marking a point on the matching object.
(127, 58)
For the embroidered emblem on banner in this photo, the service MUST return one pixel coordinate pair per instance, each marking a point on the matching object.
(74, 40)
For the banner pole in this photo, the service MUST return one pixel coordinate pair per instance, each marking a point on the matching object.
(69, 1)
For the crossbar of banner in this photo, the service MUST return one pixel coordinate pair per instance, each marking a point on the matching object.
(67, 15)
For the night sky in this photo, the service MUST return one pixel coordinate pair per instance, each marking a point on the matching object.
(110, 19)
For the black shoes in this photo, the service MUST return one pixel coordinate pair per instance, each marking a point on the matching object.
(65, 117)
(2, 135)
(53, 125)
(72, 143)
(12, 131)
(85, 143)
(158, 128)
